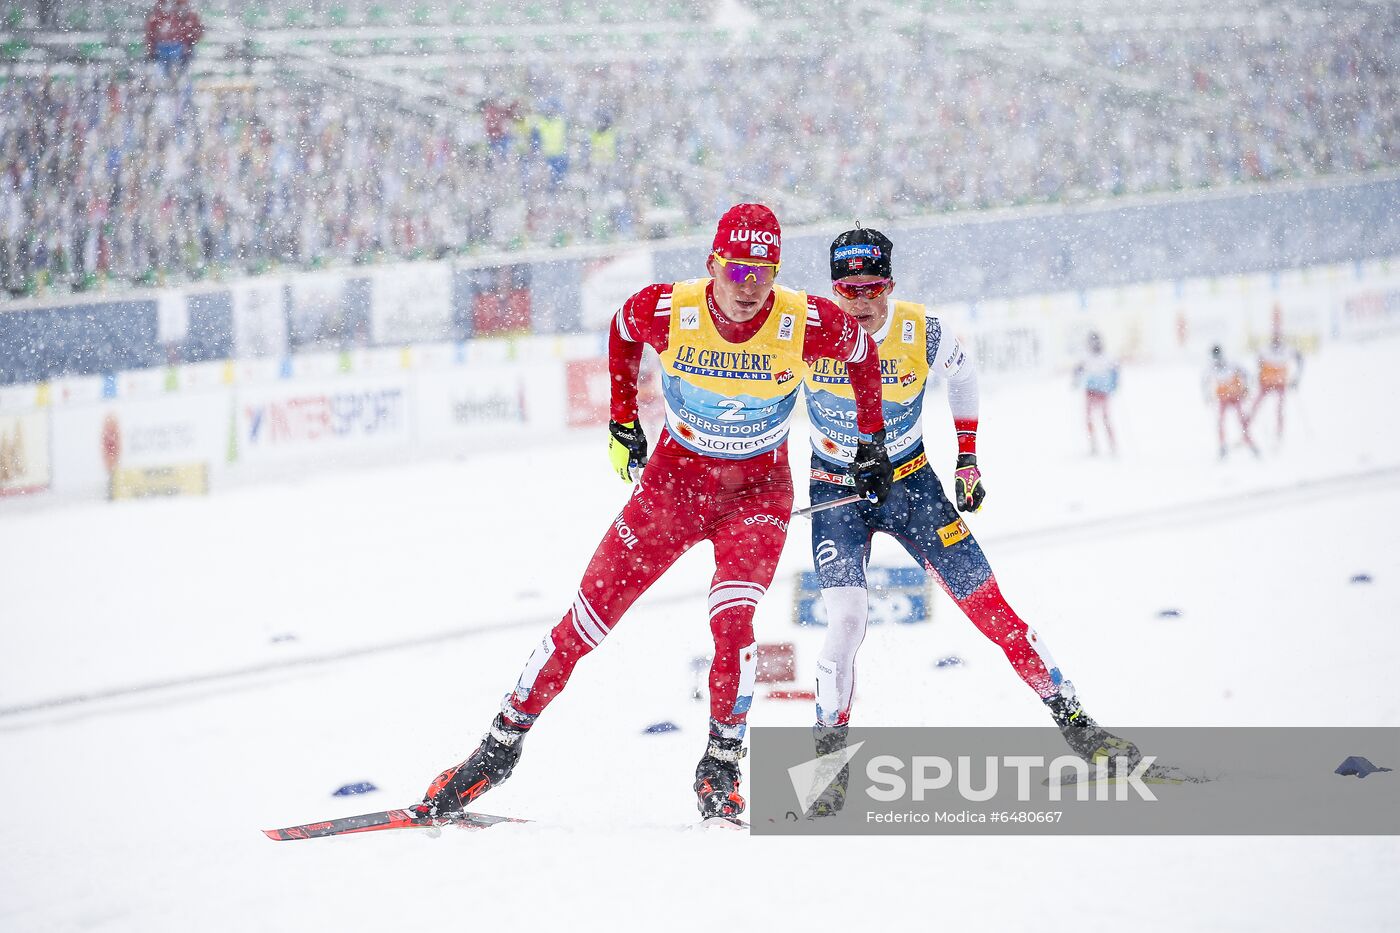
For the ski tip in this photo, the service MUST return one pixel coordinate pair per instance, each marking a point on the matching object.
(288, 833)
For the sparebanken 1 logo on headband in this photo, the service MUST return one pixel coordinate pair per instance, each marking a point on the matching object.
(863, 250)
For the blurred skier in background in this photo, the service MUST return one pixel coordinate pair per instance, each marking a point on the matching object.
(1097, 373)
(732, 348)
(1280, 368)
(163, 37)
(190, 29)
(1228, 384)
(912, 344)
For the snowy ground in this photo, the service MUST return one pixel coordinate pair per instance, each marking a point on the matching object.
(363, 626)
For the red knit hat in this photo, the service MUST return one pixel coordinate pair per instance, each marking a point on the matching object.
(749, 231)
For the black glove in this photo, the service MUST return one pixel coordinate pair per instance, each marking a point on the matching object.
(627, 450)
(871, 469)
(968, 491)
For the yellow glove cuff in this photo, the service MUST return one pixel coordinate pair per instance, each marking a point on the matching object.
(619, 456)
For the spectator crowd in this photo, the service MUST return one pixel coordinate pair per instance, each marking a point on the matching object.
(145, 172)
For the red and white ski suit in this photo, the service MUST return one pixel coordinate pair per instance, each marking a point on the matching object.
(742, 506)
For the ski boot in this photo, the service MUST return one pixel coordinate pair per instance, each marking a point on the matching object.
(830, 740)
(717, 779)
(454, 789)
(1089, 740)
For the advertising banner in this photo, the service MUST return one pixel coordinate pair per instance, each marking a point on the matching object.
(259, 319)
(610, 281)
(189, 479)
(411, 303)
(24, 453)
(186, 432)
(472, 402)
(318, 318)
(588, 392)
(902, 595)
(501, 301)
(307, 419)
(172, 316)
(1370, 307)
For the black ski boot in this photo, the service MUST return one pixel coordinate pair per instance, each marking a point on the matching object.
(1089, 740)
(717, 779)
(454, 789)
(829, 740)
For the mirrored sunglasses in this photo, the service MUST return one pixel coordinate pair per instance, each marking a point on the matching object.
(854, 290)
(742, 271)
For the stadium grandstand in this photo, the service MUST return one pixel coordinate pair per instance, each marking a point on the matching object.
(316, 134)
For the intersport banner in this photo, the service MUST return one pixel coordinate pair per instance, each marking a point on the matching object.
(308, 419)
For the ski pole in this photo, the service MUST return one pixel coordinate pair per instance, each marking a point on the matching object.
(814, 509)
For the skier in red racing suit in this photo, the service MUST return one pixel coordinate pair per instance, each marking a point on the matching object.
(733, 350)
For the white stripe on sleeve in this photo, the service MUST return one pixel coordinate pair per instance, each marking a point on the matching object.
(862, 348)
(621, 322)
